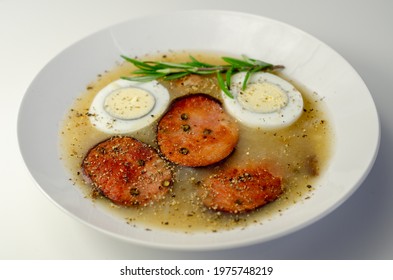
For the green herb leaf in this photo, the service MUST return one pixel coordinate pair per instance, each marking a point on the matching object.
(175, 76)
(237, 62)
(223, 86)
(197, 63)
(246, 78)
(228, 77)
(152, 70)
(137, 63)
(144, 79)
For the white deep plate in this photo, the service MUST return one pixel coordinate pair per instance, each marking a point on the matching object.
(307, 60)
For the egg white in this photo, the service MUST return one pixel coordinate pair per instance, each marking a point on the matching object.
(278, 116)
(102, 120)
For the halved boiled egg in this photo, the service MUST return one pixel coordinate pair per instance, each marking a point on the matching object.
(125, 106)
(268, 101)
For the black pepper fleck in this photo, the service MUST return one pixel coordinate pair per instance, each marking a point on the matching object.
(184, 151)
(134, 192)
(185, 127)
(184, 116)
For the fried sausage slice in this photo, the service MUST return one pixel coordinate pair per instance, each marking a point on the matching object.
(236, 190)
(127, 171)
(196, 131)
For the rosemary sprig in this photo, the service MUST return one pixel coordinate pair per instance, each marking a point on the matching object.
(152, 70)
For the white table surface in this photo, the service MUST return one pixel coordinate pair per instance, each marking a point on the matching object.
(33, 32)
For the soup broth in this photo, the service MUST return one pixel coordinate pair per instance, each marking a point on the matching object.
(299, 153)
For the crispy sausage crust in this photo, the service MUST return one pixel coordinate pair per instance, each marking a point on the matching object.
(196, 131)
(238, 190)
(127, 171)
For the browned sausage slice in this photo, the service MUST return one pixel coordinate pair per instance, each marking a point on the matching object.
(237, 190)
(196, 131)
(127, 171)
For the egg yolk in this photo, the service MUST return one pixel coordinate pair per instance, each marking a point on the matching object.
(263, 98)
(129, 103)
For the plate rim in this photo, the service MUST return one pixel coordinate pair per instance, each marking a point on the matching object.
(219, 245)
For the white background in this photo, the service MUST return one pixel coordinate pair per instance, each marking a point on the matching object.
(33, 32)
